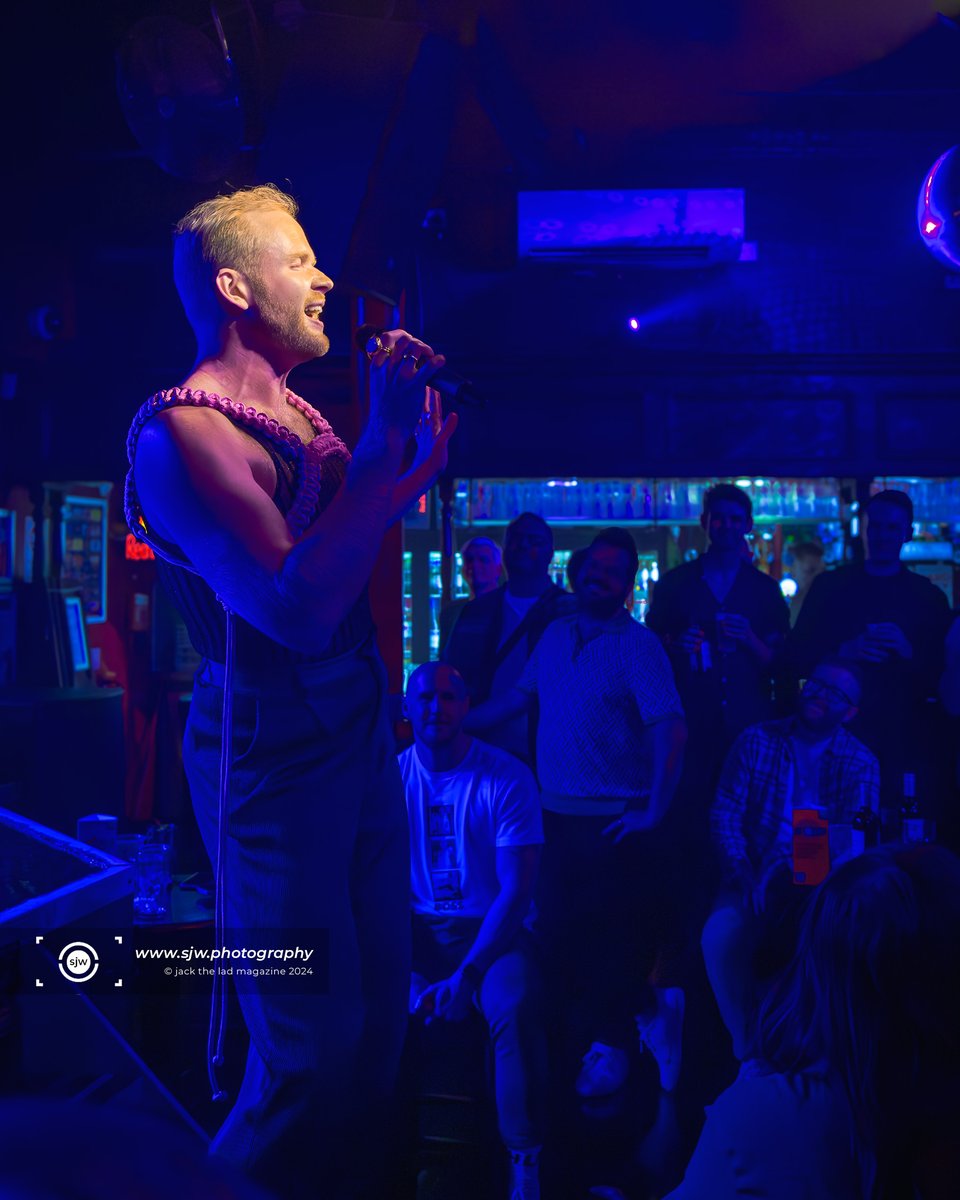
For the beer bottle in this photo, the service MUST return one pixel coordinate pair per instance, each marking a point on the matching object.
(911, 818)
(865, 826)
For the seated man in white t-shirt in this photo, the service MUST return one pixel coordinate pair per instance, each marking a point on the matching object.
(475, 837)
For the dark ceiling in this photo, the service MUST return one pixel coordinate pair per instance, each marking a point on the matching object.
(827, 113)
(537, 92)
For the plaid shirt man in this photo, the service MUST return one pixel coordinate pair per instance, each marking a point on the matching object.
(758, 779)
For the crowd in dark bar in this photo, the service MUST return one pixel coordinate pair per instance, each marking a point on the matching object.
(604, 815)
(716, 778)
(488, 729)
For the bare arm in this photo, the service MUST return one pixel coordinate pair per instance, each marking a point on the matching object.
(433, 434)
(950, 681)
(761, 649)
(197, 479)
(740, 630)
(668, 739)
(512, 703)
(516, 873)
(517, 868)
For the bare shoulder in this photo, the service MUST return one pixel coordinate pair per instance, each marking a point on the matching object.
(185, 430)
(203, 444)
(194, 466)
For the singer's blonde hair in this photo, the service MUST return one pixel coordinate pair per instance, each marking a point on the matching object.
(216, 234)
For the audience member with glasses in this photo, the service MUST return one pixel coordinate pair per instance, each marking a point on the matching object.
(891, 621)
(807, 761)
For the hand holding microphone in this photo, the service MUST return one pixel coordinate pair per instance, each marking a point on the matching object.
(380, 346)
(410, 367)
(410, 404)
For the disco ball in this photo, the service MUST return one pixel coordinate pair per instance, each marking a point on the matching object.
(938, 209)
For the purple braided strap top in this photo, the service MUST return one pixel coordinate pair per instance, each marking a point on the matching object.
(308, 477)
(307, 460)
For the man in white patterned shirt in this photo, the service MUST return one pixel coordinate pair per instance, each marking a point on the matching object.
(609, 748)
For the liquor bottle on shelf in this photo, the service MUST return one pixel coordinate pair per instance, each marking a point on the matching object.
(920, 495)
(463, 504)
(911, 823)
(597, 506)
(639, 607)
(434, 626)
(865, 826)
(568, 501)
(407, 635)
(460, 589)
(479, 502)
(558, 568)
(915, 825)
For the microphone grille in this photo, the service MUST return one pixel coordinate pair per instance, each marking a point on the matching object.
(363, 335)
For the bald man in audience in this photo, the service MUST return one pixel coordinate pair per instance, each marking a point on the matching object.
(475, 838)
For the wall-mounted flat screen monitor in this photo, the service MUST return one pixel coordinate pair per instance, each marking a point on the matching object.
(77, 632)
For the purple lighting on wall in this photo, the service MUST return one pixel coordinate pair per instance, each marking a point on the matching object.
(661, 226)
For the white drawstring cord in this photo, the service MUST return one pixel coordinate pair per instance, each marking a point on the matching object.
(218, 1003)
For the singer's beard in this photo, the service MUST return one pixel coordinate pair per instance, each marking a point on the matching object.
(289, 326)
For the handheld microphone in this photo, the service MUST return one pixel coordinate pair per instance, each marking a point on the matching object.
(452, 387)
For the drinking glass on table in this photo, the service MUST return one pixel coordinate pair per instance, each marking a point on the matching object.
(726, 643)
(152, 882)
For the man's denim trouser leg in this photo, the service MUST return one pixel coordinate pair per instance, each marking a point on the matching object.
(729, 943)
(317, 839)
(510, 1000)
